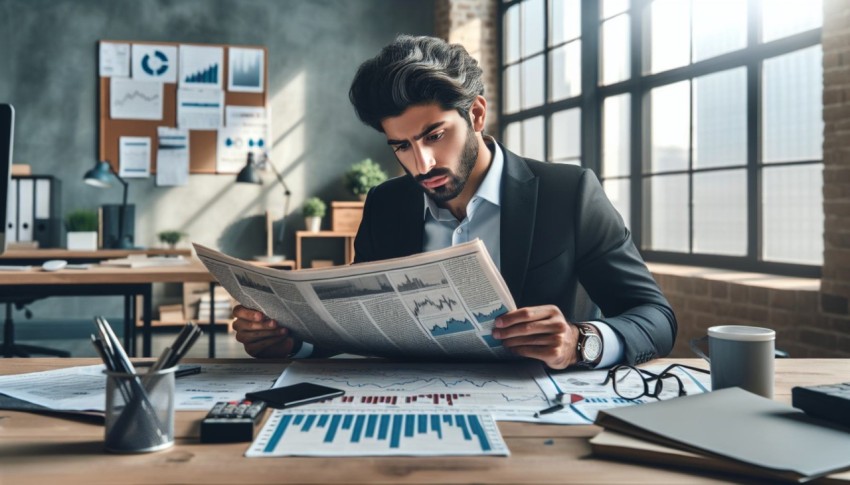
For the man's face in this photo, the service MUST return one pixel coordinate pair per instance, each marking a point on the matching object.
(437, 148)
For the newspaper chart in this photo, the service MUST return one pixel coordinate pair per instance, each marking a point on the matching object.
(435, 305)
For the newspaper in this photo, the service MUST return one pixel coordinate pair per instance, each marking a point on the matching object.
(435, 305)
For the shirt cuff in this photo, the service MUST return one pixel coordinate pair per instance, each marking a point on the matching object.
(612, 346)
(306, 350)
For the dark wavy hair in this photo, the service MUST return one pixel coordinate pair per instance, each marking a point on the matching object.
(412, 71)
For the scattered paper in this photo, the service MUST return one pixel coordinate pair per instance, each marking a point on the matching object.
(250, 116)
(134, 100)
(134, 156)
(155, 63)
(114, 59)
(84, 388)
(245, 70)
(172, 157)
(234, 144)
(200, 109)
(201, 67)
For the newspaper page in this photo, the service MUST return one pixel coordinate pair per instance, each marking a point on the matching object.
(435, 305)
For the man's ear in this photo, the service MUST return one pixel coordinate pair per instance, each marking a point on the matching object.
(478, 113)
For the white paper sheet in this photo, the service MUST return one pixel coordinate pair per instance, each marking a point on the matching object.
(234, 144)
(245, 116)
(343, 432)
(84, 388)
(201, 67)
(114, 59)
(511, 391)
(245, 70)
(135, 100)
(200, 109)
(589, 395)
(155, 63)
(172, 157)
(134, 156)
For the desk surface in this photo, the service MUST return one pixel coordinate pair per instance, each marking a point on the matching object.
(46, 254)
(192, 272)
(42, 449)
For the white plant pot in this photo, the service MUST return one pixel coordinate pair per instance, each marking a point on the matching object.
(314, 224)
(82, 241)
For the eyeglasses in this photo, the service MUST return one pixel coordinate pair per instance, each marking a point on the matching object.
(632, 383)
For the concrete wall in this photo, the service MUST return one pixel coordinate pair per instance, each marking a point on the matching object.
(48, 71)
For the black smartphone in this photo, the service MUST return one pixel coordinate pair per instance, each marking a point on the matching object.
(294, 395)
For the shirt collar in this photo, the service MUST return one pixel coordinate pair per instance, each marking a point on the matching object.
(489, 190)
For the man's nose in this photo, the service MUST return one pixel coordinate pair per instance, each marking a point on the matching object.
(424, 159)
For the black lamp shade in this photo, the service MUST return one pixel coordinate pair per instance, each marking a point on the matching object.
(100, 175)
(248, 174)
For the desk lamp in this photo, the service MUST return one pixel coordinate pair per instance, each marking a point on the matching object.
(101, 176)
(249, 175)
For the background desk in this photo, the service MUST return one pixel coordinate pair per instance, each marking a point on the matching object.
(42, 449)
(100, 281)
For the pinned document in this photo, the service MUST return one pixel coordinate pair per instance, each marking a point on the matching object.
(201, 67)
(200, 109)
(155, 63)
(135, 100)
(172, 157)
(134, 155)
(114, 59)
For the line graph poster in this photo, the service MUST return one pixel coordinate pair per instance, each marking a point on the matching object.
(201, 67)
(134, 100)
(342, 432)
(245, 70)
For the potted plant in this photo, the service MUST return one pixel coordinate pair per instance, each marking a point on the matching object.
(171, 237)
(363, 176)
(82, 230)
(314, 210)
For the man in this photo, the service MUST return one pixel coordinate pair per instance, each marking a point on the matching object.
(548, 227)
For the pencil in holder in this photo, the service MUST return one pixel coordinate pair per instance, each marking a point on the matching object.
(139, 410)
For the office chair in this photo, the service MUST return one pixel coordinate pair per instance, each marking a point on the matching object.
(10, 348)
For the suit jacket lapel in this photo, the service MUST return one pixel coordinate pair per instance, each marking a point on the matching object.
(410, 225)
(519, 209)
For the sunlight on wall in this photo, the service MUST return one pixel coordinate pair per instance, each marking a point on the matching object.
(210, 204)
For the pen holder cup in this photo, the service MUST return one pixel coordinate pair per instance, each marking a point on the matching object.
(139, 410)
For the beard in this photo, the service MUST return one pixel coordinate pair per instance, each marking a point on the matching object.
(456, 181)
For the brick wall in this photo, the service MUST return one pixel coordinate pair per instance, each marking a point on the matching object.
(833, 329)
(472, 23)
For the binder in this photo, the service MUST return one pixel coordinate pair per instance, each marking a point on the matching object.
(26, 209)
(12, 212)
(42, 198)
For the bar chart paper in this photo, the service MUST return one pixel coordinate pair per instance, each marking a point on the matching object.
(342, 432)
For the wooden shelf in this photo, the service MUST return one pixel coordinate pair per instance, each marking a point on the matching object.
(347, 235)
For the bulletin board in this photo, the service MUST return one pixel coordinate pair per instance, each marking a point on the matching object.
(202, 143)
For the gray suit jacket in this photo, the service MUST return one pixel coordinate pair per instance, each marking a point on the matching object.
(559, 233)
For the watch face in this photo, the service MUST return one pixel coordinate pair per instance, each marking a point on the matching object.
(592, 348)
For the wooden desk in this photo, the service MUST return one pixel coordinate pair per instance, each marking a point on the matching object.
(38, 256)
(98, 280)
(42, 449)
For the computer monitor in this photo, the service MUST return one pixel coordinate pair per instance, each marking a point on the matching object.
(7, 136)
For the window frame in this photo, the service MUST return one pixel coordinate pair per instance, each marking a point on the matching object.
(639, 86)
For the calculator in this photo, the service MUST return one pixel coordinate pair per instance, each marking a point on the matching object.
(830, 402)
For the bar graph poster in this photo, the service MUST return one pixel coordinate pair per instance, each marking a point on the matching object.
(245, 70)
(346, 433)
(134, 100)
(201, 67)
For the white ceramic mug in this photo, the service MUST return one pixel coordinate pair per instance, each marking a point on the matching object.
(740, 356)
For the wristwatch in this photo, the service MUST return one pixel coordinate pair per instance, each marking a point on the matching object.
(589, 346)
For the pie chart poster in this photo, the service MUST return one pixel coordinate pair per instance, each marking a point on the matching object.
(154, 63)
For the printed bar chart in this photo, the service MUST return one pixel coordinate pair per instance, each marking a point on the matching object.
(341, 433)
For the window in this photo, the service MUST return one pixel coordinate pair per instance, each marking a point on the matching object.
(702, 119)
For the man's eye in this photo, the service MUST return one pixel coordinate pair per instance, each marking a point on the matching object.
(435, 136)
(401, 147)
